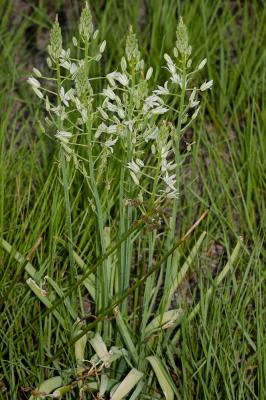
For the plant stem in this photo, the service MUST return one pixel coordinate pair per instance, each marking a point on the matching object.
(65, 176)
(126, 248)
(102, 284)
(172, 230)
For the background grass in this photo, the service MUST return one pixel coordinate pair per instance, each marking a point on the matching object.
(222, 353)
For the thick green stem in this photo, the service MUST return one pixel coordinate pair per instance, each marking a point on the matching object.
(177, 153)
(65, 176)
(102, 284)
(172, 230)
(126, 217)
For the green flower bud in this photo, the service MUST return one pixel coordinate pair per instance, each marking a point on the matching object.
(81, 82)
(132, 50)
(55, 46)
(182, 44)
(85, 24)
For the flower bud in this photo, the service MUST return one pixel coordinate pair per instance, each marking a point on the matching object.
(182, 39)
(149, 73)
(86, 25)
(55, 47)
(202, 64)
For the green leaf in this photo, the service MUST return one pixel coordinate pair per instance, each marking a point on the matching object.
(163, 377)
(42, 296)
(164, 321)
(178, 276)
(125, 333)
(48, 386)
(132, 378)
(101, 350)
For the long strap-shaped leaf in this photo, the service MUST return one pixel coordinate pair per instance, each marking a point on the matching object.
(169, 292)
(43, 298)
(18, 257)
(132, 378)
(124, 331)
(47, 387)
(163, 377)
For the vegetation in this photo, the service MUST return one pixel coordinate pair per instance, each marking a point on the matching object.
(132, 206)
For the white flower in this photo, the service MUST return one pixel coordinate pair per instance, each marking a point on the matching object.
(151, 133)
(194, 104)
(112, 129)
(149, 73)
(64, 136)
(75, 41)
(172, 195)
(37, 72)
(133, 166)
(121, 113)
(167, 166)
(101, 129)
(38, 92)
(161, 90)
(165, 150)
(167, 58)
(202, 64)
(170, 64)
(65, 64)
(140, 162)
(66, 53)
(129, 124)
(84, 114)
(77, 102)
(116, 120)
(176, 78)
(33, 82)
(153, 101)
(159, 110)
(111, 107)
(66, 96)
(60, 112)
(195, 113)
(134, 177)
(193, 94)
(47, 104)
(170, 191)
(110, 143)
(109, 93)
(206, 85)
(102, 47)
(189, 63)
(123, 64)
(49, 62)
(73, 68)
(94, 36)
(170, 181)
(121, 78)
(103, 113)
(98, 57)
(63, 96)
(63, 53)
